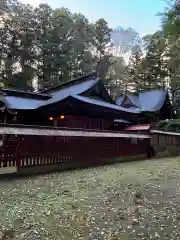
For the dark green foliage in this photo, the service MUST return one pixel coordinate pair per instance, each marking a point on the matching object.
(160, 65)
(169, 125)
(49, 46)
(41, 47)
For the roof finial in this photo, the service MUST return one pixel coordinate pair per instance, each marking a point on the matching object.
(1, 91)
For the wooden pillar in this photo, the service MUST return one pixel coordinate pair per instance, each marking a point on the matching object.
(89, 123)
(55, 123)
(102, 124)
(5, 118)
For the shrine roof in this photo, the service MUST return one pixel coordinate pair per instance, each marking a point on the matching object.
(146, 101)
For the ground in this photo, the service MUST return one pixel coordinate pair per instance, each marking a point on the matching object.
(137, 200)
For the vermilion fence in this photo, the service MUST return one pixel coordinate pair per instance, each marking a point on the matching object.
(25, 147)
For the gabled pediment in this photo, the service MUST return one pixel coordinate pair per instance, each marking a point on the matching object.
(127, 103)
(146, 101)
(98, 91)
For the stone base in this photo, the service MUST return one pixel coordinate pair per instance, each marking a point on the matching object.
(6, 171)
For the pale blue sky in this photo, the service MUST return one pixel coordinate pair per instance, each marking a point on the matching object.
(138, 14)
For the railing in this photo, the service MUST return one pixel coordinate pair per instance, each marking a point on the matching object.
(25, 147)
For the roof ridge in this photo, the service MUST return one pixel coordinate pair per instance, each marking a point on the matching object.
(24, 94)
(153, 89)
(74, 81)
(142, 91)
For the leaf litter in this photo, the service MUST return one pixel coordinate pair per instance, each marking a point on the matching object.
(138, 200)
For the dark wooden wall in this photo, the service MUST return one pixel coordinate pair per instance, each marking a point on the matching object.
(165, 144)
(83, 122)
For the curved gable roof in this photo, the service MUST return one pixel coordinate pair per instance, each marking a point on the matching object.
(147, 101)
(14, 99)
(152, 101)
(71, 90)
(27, 103)
(105, 104)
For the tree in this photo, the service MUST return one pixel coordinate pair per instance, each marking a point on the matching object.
(101, 36)
(16, 46)
(171, 30)
(156, 60)
(82, 61)
(135, 70)
(2, 7)
(43, 44)
(117, 76)
(150, 70)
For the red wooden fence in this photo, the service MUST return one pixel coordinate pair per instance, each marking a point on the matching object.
(25, 147)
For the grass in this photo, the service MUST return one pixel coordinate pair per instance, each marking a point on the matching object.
(137, 200)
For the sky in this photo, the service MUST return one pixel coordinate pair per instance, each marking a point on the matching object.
(138, 14)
